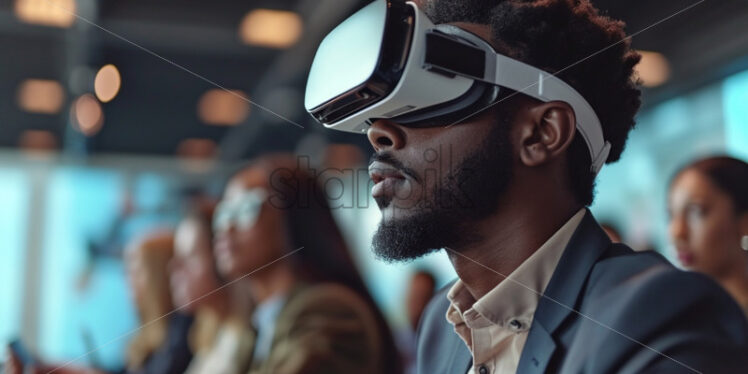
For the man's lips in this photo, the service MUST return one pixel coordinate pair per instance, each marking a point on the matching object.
(385, 178)
(378, 171)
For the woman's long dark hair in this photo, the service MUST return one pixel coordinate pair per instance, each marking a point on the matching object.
(310, 224)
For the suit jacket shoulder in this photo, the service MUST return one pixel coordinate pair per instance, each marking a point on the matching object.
(642, 314)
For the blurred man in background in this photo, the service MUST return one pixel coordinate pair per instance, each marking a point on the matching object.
(419, 292)
(612, 232)
(422, 287)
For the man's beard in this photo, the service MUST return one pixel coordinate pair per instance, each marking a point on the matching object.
(447, 216)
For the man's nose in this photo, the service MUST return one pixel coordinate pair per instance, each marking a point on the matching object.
(385, 136)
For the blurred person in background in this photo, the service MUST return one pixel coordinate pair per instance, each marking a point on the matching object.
(708, 210)
(219, 336)
(275, 233)
(613, 234)
(159, 345)
(421, 289)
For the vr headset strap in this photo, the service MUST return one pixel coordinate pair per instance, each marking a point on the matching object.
(516, 75)
(547, 87)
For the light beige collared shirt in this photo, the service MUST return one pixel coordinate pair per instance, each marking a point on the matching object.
(495, 327)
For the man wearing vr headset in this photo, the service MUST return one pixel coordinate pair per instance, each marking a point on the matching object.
(490, 121)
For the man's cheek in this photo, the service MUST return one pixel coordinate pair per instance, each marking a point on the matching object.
(430, 181)
(461, 198)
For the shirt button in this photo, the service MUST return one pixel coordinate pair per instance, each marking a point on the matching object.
(482, 370)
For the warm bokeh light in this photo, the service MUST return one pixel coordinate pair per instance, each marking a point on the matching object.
(197, 148)
(88, 116)
(58, 13)
(223, 108)
(37, 142)
(653, 69)
(107, 83)
(270, 28)
(40, 96)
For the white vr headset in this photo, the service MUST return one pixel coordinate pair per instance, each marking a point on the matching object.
(389, 61)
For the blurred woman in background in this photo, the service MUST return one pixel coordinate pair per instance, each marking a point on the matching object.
(708, 208)
(159, 345)
(219, 336)
(276, 235)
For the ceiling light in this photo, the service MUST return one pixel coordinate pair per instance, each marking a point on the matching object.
(40, 96)
(196, 148)
(88, 117)
(37, 142)
(107, 83)
(653, 69)
(223, 108)
(58, 13)
(270, 28)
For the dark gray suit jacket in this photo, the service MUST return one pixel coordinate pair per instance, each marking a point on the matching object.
(642, 315)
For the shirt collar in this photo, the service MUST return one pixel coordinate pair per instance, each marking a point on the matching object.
(516, 297)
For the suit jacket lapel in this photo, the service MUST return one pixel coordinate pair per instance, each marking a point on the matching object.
(537, 352)
(560, 298)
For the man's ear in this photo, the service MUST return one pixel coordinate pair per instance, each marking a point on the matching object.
(546, 132)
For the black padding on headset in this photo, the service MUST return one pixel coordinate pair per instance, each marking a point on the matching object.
(477, 98)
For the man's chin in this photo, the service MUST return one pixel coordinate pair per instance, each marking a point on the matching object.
(402, 240)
